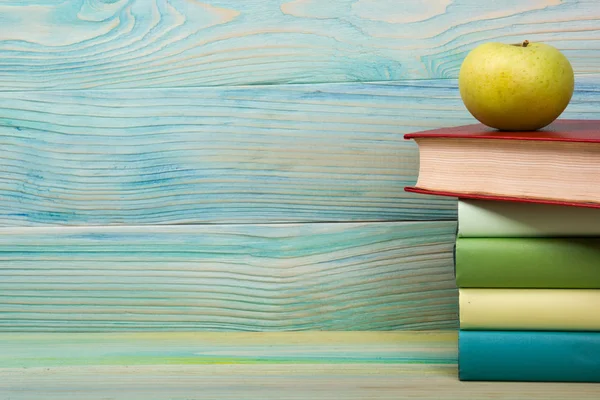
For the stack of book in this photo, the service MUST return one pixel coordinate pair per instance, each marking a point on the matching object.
(527, 255)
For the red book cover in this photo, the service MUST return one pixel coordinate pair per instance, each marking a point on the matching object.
(561, 130)
(499, 198)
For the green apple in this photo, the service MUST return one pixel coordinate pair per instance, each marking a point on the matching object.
(516, 86)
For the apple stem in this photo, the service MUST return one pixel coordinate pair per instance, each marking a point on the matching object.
(525, 43)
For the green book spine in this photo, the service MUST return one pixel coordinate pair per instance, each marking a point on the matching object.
(479, 218)
(552, 263)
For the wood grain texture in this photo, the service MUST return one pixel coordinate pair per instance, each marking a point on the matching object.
(293, 153)
(38, 350)
(342, 276)
(305, 365)
(264, 154)
(53, 44)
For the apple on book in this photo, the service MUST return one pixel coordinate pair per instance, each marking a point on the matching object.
(516, 87)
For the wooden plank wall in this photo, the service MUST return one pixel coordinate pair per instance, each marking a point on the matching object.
(124, 44)
(229, 165)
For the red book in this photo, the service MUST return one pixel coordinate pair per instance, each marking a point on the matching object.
(559, 164)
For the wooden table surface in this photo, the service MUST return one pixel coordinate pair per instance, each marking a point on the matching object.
(286, 365)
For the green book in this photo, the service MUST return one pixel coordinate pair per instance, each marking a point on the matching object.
(552, 263)
(482, 218)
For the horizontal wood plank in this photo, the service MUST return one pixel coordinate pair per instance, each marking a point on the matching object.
(293, 153)
(298, 365)
(344, 276)
(51, 44)
(38, 350)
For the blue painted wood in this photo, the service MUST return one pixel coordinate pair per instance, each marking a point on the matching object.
(351, 276)
(79, 44)
(330, 152)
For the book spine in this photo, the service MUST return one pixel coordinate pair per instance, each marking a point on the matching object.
(552, 263)
(529, 356)
(529, 309)
(479, 218)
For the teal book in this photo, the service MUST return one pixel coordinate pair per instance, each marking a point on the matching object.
(529, 262)
(529, 356)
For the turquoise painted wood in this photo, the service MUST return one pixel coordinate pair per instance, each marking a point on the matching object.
(38, 350)
(292, 153)
(339, 276)
(54, 44)
(126, 123)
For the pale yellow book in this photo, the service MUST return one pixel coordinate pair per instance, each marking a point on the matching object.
(530, 309)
